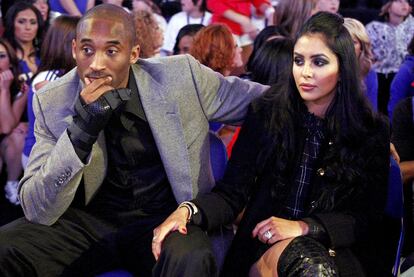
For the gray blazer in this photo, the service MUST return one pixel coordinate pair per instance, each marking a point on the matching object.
(179, 97)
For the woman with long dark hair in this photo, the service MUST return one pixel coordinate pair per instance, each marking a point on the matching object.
(24, 26)
(13, 98)
(55, 62)
(310, 168)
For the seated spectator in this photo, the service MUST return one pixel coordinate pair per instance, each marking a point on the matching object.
(266, 34)
(326, 6)
(272, 62)
(185, 38)
(193, 12)
(150, 6)
(24, 31)
(402, 85)
(149, 34)
(364, 55)
(314, 190)
(56, 61)
(403, 140)
(43, 7)
(215, 47)
(390, 36)
(13, 98)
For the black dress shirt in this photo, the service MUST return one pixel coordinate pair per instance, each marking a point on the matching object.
(136, 181)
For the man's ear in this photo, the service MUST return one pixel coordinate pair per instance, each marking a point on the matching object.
(74, 49)
(134, 54)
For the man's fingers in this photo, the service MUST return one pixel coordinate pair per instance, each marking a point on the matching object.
(91, 85)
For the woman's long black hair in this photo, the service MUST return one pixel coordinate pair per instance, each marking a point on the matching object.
(348, 118)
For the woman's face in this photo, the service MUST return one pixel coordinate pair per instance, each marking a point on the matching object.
(357, 46)
(25, 26)
(139, 5)
(4, 58)
(158, 41)
(327, 6)
(316, 72)
(237, 56)
(184, 45)
(399, 8)
(188, 6)
(43, 8)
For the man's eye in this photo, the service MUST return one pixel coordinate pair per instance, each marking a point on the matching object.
(112, 51)
(87, 50)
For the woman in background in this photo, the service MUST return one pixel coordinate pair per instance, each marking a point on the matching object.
(24, 25)
(272, 62)
(364, 55)
(402, 85)
(56, 61)
(389, 38)
(149, 34)
(13, 99)
(185, 38)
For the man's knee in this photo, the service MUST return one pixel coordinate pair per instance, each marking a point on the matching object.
(306, 257)
(187, 255)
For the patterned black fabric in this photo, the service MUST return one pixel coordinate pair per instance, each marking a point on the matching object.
(299, 193)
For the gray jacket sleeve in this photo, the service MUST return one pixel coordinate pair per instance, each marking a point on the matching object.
(223, 99)
(52, 176)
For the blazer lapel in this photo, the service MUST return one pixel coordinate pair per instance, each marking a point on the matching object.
(164, 120)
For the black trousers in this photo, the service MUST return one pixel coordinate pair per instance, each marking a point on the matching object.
(79, 244)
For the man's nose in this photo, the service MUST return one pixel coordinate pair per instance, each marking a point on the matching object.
(98, 62)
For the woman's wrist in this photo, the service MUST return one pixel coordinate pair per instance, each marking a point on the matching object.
(185, 211)
(304, 227)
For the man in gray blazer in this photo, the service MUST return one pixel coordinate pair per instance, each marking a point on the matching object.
(118, 146)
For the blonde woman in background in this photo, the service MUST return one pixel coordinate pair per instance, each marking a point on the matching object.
(364, 55)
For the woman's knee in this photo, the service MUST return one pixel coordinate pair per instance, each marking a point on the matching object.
(306, 257)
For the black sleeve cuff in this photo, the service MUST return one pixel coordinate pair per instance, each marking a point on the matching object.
(316, 230)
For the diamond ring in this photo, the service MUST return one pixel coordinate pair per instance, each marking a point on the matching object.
(268, 235)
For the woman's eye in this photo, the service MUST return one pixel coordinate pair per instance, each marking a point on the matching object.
(320, 62)
(298, 61)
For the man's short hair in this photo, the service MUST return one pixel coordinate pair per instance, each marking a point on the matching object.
(112, 12)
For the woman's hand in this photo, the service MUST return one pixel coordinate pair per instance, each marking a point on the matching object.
(6, 79)
(275, 229)
(176, 221)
